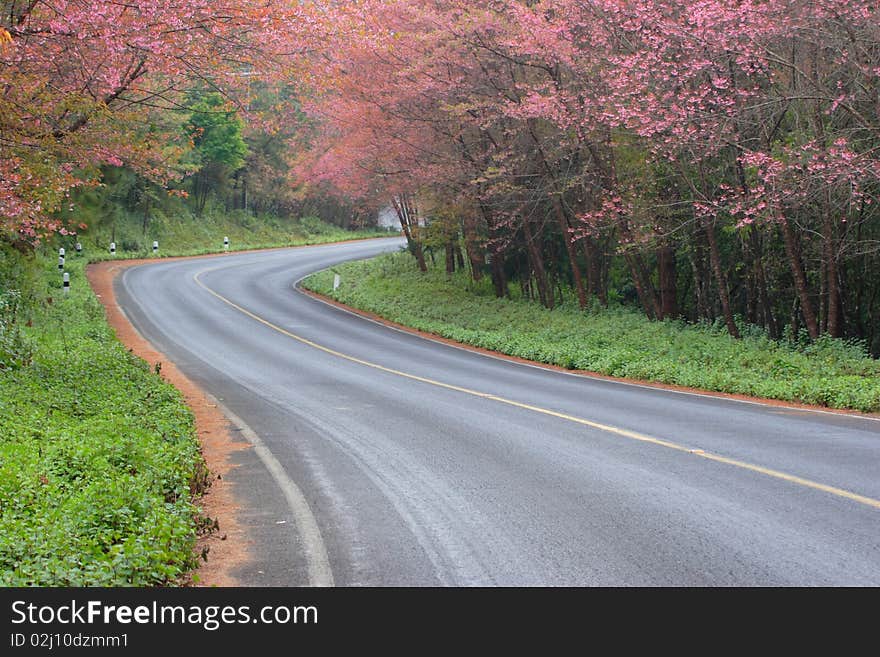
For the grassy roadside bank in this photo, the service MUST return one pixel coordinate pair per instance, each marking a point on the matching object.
(100, 466)
(197, 237)
(615, 341)
(98, 455)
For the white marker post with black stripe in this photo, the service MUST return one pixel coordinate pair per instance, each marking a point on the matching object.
(113, 248)
(61, 263)
(225, 243)
(61, 252)
(79, 248)
(155, 247)
(66, 280)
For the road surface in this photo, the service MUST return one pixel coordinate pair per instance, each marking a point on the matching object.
(383, 458)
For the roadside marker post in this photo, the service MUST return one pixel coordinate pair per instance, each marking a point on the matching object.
(226, 243)
(336, 282)
(61, 252)
(79, 248)
(61, 262)
(113, 248)
(66, 280)
(155, 247)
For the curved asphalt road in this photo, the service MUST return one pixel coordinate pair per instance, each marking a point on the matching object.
(504, 473)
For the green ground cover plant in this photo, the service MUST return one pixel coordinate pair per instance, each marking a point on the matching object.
(615, 341)
(99, 459)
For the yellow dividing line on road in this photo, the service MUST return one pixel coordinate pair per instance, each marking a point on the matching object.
(625, 433)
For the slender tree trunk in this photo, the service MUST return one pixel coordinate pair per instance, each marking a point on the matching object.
(470, 244)
(795, 319)
(651, 296)
(595, 277)
(636, 269)
(667, 277)
(450, 258)
(405, 216)
(766, 306)
(499, 280)
(829, 246)
(750, 278)
(702, 308)
(800, 278)
(496, 256)
(830, 310)
(720, 278)
(419, 255)
(565, 228)
(823, 295)
(603, 247)
(537, 262)
(757, 247)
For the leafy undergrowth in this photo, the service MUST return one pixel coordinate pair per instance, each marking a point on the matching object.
(98, 455)
(614, 341)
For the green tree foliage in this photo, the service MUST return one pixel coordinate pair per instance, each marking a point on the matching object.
(219, 148)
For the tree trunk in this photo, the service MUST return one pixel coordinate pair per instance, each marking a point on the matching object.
(667, 277)
(635, 270)
(829, 247)
(405, 216)
(499, 280)
(800, 278)
(720, 278)
(769, 321)
(652, 297)
(750, 279)
(496, 256)
(766, 306)
(830, 310)
(702, 308)
(565, 228)
(537, 262)
(595, 278)
(450, 258)
(470, 244)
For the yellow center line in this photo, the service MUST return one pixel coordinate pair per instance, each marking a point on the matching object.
(625, 433)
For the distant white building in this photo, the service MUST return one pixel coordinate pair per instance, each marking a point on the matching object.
(388, 218)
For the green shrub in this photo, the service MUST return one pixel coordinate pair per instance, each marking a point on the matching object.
(98, 455)
(16, 350)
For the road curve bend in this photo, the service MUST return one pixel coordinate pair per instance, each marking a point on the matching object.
(383, 458)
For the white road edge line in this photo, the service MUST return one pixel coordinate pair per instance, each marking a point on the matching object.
(538, 366)
(320, 573)
(317, 559)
